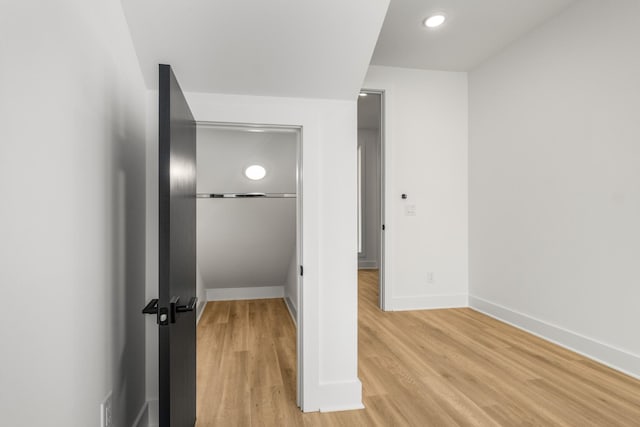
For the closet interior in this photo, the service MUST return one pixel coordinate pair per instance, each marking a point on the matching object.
(247, 184)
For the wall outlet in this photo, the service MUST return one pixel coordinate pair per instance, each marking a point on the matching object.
(430, 278)
(106, 412)
(410, 210)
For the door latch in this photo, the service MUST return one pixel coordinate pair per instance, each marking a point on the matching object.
(166, 315)
(174, 308)
(161, 313)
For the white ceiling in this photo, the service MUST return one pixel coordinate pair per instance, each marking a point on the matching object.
(245, 242)
(474, 31)
(315, 49)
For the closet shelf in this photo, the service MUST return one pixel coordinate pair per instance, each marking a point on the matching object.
(246, 195)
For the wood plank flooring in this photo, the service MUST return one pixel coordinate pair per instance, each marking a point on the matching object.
(452, 367)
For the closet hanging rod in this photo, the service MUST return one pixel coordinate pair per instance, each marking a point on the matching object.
(246, 195)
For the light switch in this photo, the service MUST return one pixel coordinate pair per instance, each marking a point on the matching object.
(410, 210)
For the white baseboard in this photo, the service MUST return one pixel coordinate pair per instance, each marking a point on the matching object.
(429, 302)
(615, 358)
(153, 409)
(230, 294)
(142, 420)
(200, 310)
(367, 265)
(148, 415)
(292, 309)
(342, 396)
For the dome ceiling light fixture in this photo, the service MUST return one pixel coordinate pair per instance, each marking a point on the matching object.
(255, 172)
(435, 20)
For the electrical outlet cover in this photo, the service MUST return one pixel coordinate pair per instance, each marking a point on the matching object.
(410, 210)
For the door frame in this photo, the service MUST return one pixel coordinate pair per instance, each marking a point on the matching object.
(384, 296)
(299, 232)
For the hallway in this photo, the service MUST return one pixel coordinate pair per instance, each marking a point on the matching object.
(438, 367)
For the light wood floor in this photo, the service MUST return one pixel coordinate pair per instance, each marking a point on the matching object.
(422, 368)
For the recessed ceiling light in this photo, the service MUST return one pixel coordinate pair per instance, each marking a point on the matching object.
(435, 20)
(363, 94)
(255, 172)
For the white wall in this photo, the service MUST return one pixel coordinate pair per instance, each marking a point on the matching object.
(369, 143)
(426, 158)
(72, 223)
(245, 243)
(224, 153)
(329, 227)
(555, 199)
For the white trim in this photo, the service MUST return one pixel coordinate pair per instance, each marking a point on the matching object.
(385, 281)
(359, 172)
(202, 305)
(606, 354)
(341, 396)
(299, 303)
(230, 294)
(384, 243)
(292, 310)
(364, 264)
(154, 412)
(148, 415)
(142, 419)
(429, 302)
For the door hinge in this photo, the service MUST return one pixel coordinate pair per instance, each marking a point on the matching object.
(301, 271)
(383, 227)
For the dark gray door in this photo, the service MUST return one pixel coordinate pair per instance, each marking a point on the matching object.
(177, 258)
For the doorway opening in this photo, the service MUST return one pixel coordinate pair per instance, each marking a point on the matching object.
(371, 215)
(249, 253)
